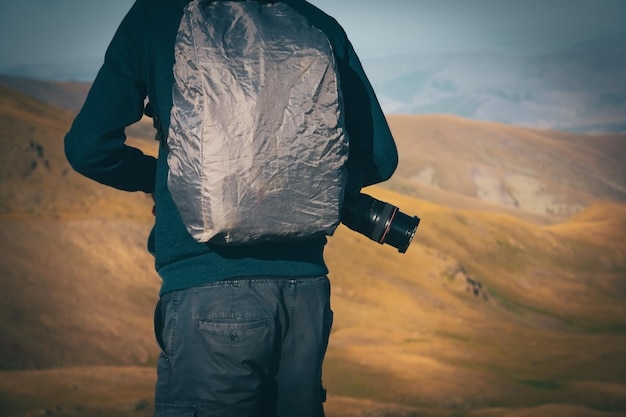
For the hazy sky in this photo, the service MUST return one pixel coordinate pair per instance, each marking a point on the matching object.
(63, 31)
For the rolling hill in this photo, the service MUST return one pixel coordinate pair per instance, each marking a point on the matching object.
(540, 175)
(495, 309)
(65, 95)
(52, 221)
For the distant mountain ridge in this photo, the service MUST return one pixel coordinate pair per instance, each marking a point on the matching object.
(80, 70)
(68, 95)
(579, 89)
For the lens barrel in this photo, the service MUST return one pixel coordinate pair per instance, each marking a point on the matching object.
(381, 222)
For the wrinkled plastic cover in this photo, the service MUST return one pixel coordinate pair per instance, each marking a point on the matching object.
(256, 140)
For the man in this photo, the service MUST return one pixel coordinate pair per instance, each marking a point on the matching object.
(243, 329)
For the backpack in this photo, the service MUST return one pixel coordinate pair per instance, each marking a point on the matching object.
(257, 144)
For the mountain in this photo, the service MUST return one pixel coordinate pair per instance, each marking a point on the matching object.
(542, 175)
(81, 70)
(463, 162)
(579, 89)
(35, 177)
(493, 310)
(52, 222)
(65, 95)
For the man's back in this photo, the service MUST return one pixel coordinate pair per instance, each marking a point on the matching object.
(242, 329)
(139, 62)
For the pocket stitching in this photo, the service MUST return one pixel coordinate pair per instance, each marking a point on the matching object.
(238, 325)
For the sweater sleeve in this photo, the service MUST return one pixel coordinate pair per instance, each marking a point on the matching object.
(373, 153)
(95, 144)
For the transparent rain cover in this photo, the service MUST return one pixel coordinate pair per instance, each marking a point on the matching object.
(257, 146)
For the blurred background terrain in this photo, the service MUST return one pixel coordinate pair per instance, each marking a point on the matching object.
(510, 119)
(509, 302)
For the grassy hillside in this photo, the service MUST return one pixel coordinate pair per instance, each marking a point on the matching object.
(481, 311)
(536, 174)
(72, 253)
(493, 311)
(67, 95)
(35, 178)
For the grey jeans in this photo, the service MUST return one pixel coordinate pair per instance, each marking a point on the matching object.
(243, 348)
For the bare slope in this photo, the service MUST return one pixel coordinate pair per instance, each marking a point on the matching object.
(73, 263)
(537, 174)
(35, 177)
(66, 95)
(483, 309)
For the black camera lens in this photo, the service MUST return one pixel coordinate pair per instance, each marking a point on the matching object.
(381, 222)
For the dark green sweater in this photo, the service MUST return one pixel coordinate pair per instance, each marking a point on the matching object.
(138, 66)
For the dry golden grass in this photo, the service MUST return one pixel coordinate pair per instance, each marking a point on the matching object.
(410, 327)
(78, 392)
(540, 175)
(81, 293)
(36, 179)
(491, 312)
